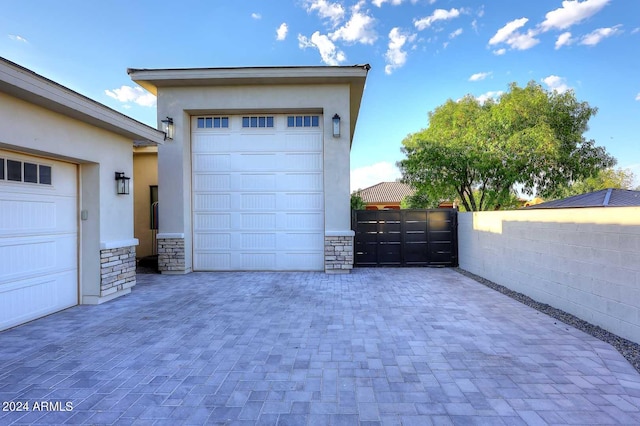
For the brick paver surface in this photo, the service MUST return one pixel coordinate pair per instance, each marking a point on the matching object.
(376, 347)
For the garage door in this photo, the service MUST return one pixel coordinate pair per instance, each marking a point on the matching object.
(258, 193)
(38, 238)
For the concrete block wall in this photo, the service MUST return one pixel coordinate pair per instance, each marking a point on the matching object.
(583, 261)
(117, 270)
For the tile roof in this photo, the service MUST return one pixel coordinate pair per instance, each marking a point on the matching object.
(386, 192)
(610, 197)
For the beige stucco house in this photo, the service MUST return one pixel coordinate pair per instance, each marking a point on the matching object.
(66, 235)
(256, 176)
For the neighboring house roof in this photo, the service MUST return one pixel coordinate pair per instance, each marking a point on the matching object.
(354, 75)
(610, 197)
(386, 192)
(28, 86)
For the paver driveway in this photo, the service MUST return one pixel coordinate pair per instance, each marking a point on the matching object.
(379, 346)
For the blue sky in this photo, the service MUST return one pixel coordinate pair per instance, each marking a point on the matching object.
(422, 52)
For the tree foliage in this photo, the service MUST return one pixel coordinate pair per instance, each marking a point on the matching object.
(604, 179)
(478, 152)
(418, 200)
(357, 203)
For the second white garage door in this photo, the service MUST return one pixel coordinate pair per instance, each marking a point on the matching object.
(38, 237)
(258, 199)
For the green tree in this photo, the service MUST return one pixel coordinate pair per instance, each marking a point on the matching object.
(604, 179)
(478, 152)
(418, 200)
(357, 203)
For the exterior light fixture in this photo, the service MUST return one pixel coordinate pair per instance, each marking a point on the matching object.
(122, 184)
(167, 128)
(336, 126)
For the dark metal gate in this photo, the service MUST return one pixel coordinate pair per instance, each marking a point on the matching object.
(405, 237)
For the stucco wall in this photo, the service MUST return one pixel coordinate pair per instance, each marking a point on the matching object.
(180, 103)
(145, 174)
(583, 261)
(32, 129)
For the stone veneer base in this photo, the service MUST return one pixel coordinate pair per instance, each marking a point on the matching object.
(338, 254)
(117, 270)
(171, 256)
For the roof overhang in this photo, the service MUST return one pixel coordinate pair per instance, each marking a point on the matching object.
(355, 76)
(28, 86)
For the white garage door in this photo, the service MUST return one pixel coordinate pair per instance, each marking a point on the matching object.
(38, 238)
(258, 193)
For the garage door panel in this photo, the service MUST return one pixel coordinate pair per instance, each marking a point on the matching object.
(259, 241)
(309, 142)
(211, 182)
(212, 221)
(296, 261)
(300, 182)
(258, 220)
(301, 201)
(256, 182)
(267, 142)
(210, 201)
(212, 162)
(36, 255)
(207, 261)
(43, 295)
(258, 201)
(254, 162)
(213, 143)
(214, 241)
(301, 240)
(307, 221)
(302, 162)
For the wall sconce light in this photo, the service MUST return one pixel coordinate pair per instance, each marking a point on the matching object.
(336, 126)
(167, 128)
(122, 184)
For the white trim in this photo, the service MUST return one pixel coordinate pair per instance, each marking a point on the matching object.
(97, 300)
(165, 235)
(348, 233)
(118, 244)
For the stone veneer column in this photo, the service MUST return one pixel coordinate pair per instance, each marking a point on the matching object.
(338, 252)
(171, 253)
(117, 269)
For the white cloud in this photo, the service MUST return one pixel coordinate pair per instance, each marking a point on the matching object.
(281, 32)
(379, 3)
(18, 38)
(358, 29)
(479, 76)
(489, 95)
(396, 57)
(456, 33)
(500, 52)
(598, 35)
(437, 15)
(128, 94)
(510, 35)
(256, 16)
(564, 39)
(328, 52)
(571, 13)
(638, 97)
(506, 32)
(364, 177)
(635, 30)
(556, 83)
(332, 11)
